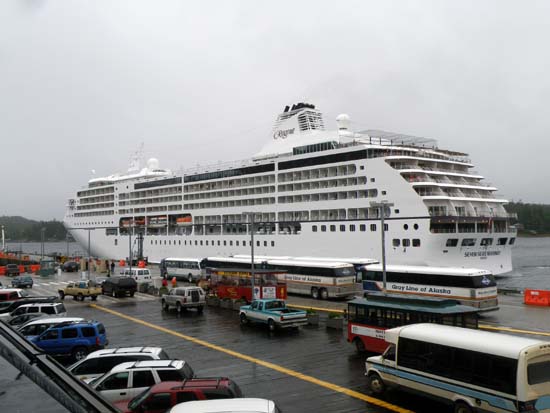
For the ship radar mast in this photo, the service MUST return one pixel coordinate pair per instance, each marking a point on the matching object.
(135, 159)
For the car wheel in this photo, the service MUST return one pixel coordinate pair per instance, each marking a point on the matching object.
(114, 294)
(314, 293)
(80, 297)
(79, 353)
(132, 293)
(376, 384)
(165, 306)
(178, 307)
(61, 295)
(359, 345)
(271, 324)
(323, 293)
(243, 319)
(200, 308)
(94, 297)
(462, 407)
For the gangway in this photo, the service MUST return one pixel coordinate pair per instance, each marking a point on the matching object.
(50, 375)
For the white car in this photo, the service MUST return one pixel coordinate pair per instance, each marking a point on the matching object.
(248, 405)
(100, 362)
(51, 309)
(37, 327)
(127, 380)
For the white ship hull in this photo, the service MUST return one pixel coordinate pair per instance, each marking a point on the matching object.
(313, 193)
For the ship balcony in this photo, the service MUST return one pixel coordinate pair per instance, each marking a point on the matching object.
(433, 172)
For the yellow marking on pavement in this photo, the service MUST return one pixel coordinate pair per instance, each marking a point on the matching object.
(276, 367)
(514, 330)
(481, 326)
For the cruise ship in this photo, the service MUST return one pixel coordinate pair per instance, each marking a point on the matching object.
(308, 192)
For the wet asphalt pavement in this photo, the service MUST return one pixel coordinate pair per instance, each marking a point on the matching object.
(315, 351)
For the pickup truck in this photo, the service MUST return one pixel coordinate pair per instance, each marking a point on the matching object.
(81, 289)
(272, 312)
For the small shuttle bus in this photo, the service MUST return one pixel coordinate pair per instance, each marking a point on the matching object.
(187, 268)
(370, 317)
(470, 286)
(473, 370)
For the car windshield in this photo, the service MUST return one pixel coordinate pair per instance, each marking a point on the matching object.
(136, 401)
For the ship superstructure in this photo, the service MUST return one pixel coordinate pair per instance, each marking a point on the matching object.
(312, 192)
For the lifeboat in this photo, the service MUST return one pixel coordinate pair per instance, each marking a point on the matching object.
(157, 222)
(140, 221)
(186, 220)
(126, 223)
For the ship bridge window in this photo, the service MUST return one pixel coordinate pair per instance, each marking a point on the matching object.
(452, 242)
(416, 242)
(396, 242)
(486, 242)
(468, 242)
(406, 242)
(502, 241)
(512, 241)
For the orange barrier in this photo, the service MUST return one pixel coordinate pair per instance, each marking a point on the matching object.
(2, 270)
(141, 264)
(22, 269)
(537, 297)
(35, 268)
(122, 263)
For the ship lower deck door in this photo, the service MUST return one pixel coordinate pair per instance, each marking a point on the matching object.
(195, 296)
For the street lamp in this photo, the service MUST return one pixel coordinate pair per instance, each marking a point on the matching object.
(382, 209)
(251, 223)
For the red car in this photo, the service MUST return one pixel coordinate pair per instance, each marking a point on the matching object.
(162, 396)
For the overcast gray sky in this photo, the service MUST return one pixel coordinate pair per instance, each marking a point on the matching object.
(82, 83)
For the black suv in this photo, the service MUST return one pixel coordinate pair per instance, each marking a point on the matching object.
(119, 286)
(12, 269)
(70, 266)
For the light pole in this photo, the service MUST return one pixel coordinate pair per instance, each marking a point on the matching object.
(130, 248)
(382, 209)
(88, 266)
(42, 231)
(251, 223)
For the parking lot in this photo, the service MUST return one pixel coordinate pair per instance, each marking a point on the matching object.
(313, 369)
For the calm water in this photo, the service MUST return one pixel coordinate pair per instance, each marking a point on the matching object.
(530, 258)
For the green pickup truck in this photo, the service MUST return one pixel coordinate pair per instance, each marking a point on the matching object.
(81, 289)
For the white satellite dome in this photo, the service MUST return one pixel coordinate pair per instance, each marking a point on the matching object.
(152, 164)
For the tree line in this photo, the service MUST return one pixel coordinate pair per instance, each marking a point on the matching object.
(22, 229)
(533, 218)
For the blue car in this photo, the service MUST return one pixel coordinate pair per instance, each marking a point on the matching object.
(22, 281)
(72, 339)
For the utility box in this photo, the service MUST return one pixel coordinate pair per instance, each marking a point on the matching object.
(47, 267)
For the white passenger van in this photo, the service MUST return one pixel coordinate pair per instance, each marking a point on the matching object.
(141, 275)
(472, 369)
(186, 268)
(237, 405)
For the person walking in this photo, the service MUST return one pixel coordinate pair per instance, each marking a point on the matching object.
(112, 267)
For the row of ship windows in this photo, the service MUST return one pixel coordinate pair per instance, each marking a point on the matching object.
(329, 196)
(96, 199)
(108, 190)
(151, 192)
(305, 174)
(93, 214)
(213, 243)
(150, 209)
(352, 228)
(231, 183)
(95, 206)
(485, 242)
(151, 200)
(257, 190)
(330, 183)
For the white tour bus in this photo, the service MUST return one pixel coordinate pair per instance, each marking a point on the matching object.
(472, 369)
(319, 279)
(186, 268)
(469, 286)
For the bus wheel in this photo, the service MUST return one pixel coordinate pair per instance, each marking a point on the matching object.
(323, 293)
(359, 345)
(462, 407)
(377, 385)
(314, 293)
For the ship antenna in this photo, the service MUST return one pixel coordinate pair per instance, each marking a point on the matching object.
(135, 159)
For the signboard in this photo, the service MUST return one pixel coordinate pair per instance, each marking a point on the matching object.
(269, 292)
